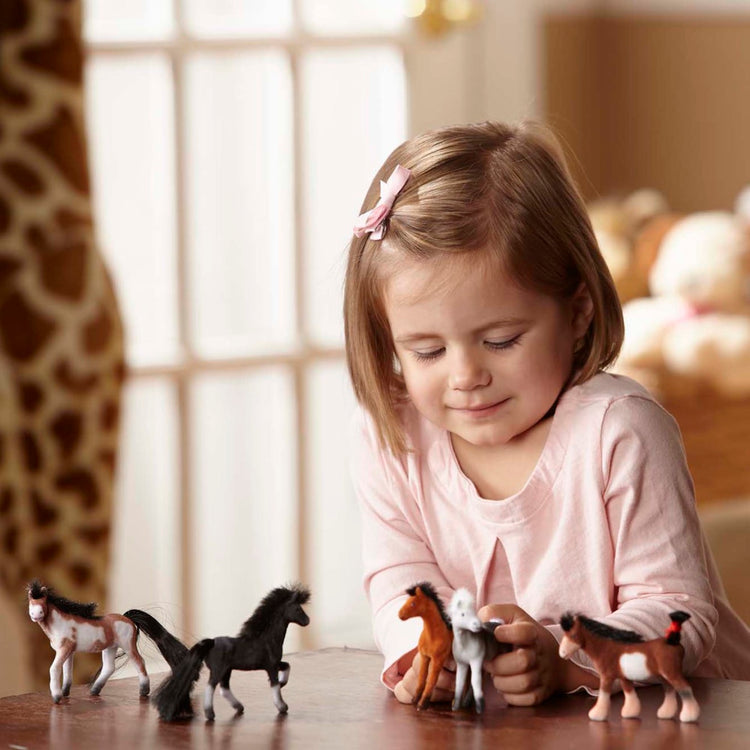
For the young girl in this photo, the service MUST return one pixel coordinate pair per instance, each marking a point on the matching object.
(492, 451)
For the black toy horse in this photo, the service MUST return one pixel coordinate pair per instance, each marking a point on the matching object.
(258, 646)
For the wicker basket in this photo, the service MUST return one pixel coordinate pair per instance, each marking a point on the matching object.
(715, 429)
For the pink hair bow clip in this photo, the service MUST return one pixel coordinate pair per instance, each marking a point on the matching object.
(373, 221)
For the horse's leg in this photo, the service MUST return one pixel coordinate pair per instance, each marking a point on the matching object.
(55, 670)
(631, 708)
(208, 695)
(476, 684)
(228, 694)
(600, 711)
(144, 685)
(273, 679)
(462, 670)
(690, 708)
(108, 667)
(668, 708)
(422, 678)
(284, 670)
(67, 670)
(432, 677)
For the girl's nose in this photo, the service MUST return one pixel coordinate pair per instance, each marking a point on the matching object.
(468, 373)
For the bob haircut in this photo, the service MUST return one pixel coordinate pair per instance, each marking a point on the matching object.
(489, 188)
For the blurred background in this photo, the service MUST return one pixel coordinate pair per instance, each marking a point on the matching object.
(230, 144)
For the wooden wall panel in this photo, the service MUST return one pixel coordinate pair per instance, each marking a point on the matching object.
(653, 102)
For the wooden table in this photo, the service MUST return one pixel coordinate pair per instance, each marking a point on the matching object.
(335, 700)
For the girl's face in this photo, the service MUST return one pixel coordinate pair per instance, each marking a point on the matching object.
(481, 357)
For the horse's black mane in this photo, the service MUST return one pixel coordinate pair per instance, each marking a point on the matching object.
(267, 612)
(600, 629)
(87, 611)
(429, 591)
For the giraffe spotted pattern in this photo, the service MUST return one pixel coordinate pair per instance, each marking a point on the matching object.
(61, 340)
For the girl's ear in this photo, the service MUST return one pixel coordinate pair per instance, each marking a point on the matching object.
(582, 310)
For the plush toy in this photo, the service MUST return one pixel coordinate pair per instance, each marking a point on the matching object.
(617, 224)
(435, 641)
(624, 655)
(697, 321)
(474, 643)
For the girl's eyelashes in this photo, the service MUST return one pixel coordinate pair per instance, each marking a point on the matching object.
(427, 356)
(503, 344)
(492, 345)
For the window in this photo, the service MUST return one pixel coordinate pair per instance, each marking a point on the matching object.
(231, 144)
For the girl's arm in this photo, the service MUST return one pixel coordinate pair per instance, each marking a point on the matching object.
(395, 555)
(659, 553)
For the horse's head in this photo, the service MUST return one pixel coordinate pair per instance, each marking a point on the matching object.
(463, 612)
(573, 636)
(414, 605)
(37, 601)
(424, 602)
(293, 611)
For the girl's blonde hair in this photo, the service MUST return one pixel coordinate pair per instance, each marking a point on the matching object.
(491, 187)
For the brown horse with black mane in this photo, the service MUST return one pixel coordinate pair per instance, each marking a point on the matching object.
(624, 655)
(436, 640)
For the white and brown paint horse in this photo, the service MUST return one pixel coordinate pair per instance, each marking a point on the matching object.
(624, 655)
(70, 627)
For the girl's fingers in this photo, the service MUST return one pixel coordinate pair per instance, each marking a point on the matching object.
(518, 684)
(402, 693)
(518, 634)
(506, 612)
(534, 698)
(515, 662)
(407, 688)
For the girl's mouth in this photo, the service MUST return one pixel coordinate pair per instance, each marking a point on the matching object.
(482, 409)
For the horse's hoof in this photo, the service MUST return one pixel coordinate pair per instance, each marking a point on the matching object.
(455, 706)
(210, 715)
(144, 691)
(479, 705)
(95, 690)
(690, 714)
(239, 710)
(283, 708)
(66, 691)
(56, 698)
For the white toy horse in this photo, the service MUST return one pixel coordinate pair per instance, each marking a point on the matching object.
(474, 643)
(70, 627)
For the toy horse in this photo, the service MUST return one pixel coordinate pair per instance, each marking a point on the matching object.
(625, 655)
(435, 641)
(70, 627)
(258, 646)
(172, 649)
(474, 643)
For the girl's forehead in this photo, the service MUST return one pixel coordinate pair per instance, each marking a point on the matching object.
(412, 281)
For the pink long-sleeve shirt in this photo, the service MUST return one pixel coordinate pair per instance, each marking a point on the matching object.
(605, 525)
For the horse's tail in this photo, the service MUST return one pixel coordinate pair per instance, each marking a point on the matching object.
(673, 631)
(172, 697)
(172, 649)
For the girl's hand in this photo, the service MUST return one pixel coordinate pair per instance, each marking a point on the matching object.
(533, 670)
(444, 687)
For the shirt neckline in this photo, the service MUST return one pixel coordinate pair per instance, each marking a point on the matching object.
(518, 507)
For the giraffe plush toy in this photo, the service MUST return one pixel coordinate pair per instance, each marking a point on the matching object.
(61, 339)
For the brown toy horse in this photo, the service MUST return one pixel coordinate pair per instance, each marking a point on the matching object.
(436, 640)
(625, 655)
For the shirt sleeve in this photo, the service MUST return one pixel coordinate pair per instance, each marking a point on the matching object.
(395, 555)
(659, 549)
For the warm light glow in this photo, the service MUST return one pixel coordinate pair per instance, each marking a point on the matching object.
(436, 17)
(415, 8)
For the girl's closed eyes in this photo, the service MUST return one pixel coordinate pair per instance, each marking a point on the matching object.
(433, 354)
